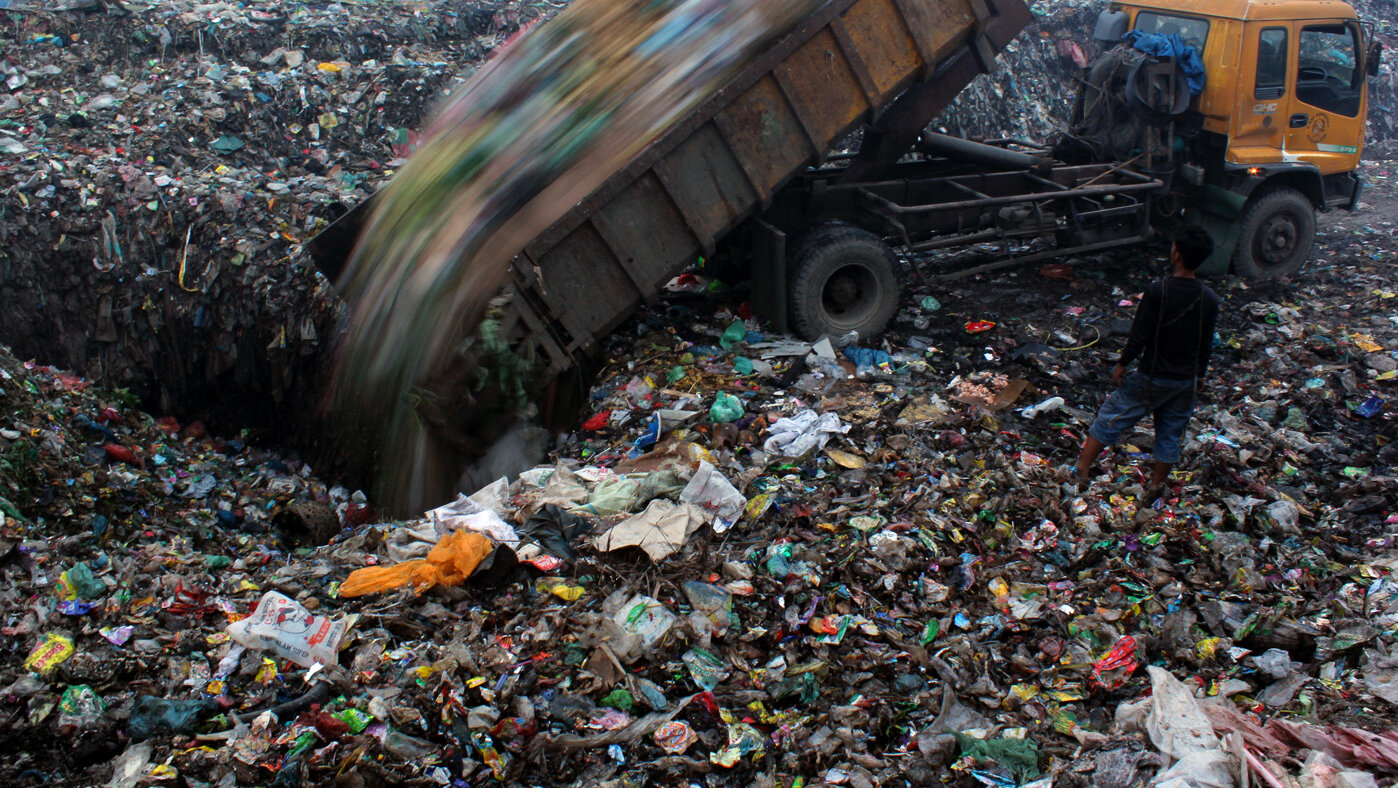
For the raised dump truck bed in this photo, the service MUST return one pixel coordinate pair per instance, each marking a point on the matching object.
(723, 163)
(891, 64)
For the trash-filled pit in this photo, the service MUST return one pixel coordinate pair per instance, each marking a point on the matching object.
(752, 560)
(745, 568)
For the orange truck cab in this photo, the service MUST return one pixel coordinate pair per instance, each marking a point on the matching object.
(1280, 121)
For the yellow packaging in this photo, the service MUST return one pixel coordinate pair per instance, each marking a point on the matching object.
(51, 652)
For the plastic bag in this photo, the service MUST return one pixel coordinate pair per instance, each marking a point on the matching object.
(128, 769)
(734, 334)
(794, 436)
(709, 490)
(660, 530)
(80, 583)
(713, 608)
(726, 408)
(150, 715)
(79, 709)
(611, 496)
(282, 626)
(466, 514)
(646, 618)
(454, 558)
(51, 651)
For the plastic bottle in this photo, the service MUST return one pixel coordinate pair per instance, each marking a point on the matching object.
(150, 715)
(1047, 406)
(409, 748)
(828, 367)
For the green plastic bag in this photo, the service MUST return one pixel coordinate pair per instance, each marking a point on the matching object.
(726, 408)
(82, 580)
(1021, 756)
(733, 334)
(611, 496)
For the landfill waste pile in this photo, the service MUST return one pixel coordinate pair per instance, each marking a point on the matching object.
(754, 561)
(162, 163)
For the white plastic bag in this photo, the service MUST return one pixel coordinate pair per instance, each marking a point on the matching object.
(794, 436)
(715, 495)
(282, 626)
(467, 514)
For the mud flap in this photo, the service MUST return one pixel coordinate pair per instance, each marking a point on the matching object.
(769, 274)
(1218, 211)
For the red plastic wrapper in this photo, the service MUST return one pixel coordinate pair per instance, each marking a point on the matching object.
(546, 563)
(1112, 670)
(709, 702)
(329, 727)
(119, 453)
(598, 421)
(977, 326)
(358, 514)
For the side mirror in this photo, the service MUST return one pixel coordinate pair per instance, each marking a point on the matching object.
(1371, 62)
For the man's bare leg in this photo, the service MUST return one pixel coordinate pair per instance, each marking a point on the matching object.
(1091, 448)
(1160, 474)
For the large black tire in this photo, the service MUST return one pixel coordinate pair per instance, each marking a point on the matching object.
(1275, 235)
(842, 279)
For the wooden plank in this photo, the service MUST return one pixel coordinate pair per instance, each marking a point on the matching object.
(707, 183)
(645, 221)
(583, 286)
(825, 87)
(766, 135)
(856, 63)
(885, 44)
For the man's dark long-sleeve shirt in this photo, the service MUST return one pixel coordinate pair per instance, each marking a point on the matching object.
(1174, 329)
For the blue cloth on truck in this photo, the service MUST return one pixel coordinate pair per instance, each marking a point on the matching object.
(1156, 45)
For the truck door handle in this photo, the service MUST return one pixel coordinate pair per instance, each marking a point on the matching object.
(1299, 120)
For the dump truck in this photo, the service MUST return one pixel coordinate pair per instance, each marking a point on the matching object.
(751, 177)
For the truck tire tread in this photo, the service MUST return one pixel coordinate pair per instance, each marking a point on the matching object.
(1274, 203)
(834, 248)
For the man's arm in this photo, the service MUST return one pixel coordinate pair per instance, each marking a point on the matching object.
(1147, 318)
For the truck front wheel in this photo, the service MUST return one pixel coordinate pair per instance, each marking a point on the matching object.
(1275, 235)
(842, 279)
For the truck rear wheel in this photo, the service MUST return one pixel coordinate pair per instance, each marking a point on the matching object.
(1275, 235)
(842, 279)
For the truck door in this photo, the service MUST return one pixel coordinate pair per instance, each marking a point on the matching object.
(1324, 119)
(1260, 125)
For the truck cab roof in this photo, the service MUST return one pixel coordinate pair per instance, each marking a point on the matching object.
(1250, 10)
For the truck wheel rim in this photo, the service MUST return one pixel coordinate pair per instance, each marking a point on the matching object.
(849, 294)
(1277, 238)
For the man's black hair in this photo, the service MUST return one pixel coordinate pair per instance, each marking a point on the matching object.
(1194, 245)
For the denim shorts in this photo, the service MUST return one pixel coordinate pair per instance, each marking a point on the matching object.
(1170, 400)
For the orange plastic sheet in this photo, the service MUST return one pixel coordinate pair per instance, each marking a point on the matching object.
(453, 560)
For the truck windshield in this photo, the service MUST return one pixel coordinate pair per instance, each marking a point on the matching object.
(1194, 31)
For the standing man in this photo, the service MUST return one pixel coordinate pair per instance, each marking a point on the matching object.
(1172, 334)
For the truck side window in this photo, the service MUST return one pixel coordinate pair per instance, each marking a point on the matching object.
(1327, 69)
(1194, 32)
(1271, 64)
